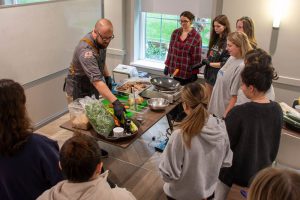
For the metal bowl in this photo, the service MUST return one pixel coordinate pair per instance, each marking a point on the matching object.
(158, 103)
(165, 83)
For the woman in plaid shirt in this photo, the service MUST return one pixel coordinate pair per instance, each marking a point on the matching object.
(184, 51)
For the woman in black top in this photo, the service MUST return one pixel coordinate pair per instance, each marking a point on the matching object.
(217, 54)
(253, 128)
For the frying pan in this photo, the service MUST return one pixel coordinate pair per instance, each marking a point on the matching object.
(165, 83)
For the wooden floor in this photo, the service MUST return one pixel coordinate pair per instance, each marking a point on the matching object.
(136, 167)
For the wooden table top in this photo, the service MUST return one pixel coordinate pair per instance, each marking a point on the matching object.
(150, 118)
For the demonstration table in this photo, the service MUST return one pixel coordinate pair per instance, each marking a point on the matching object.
(150, 118)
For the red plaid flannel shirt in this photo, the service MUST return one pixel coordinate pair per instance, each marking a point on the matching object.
(184, 54)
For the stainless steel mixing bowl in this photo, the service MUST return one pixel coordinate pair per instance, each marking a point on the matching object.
(158, 103)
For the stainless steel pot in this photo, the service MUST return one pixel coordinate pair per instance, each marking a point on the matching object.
(165, 83)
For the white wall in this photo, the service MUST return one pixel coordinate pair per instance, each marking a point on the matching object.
(114, 10)
(50, 24)
(283, 44)
(38, 40)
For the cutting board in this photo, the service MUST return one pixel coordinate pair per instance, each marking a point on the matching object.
(124, 100)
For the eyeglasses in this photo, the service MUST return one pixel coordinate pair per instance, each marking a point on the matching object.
(183, 21)
(105, 38)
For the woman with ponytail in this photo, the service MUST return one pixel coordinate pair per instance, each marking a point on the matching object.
(196, 151)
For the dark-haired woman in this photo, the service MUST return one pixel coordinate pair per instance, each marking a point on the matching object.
(184, 51)
(217, 54)
(28, 161)
(254, 128)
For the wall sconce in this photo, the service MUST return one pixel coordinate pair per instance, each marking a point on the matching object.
(279, 6)
(276, 21)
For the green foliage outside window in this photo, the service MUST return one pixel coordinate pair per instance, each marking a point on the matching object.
(159, 28)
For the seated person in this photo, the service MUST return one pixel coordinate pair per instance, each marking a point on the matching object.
(254, 128)
(275, 184)
(80, 162)
(28, 161)
(196, 151)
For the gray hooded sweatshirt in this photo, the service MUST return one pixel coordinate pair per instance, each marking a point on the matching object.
(91, 190)
(193, 173)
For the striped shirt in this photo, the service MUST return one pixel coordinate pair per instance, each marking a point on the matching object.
(183, 55)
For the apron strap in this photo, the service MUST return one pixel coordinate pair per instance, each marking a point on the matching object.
(89, 42)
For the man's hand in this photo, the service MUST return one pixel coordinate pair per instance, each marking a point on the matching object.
(119, 110)
(166, 71)
(108, 81)
(205, 62)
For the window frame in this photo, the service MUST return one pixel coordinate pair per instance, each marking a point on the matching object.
(142, 44)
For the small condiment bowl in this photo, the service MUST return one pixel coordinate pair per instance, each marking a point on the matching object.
(118, 132)
(139, 117)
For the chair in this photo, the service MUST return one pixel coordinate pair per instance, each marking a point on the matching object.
(288, 151)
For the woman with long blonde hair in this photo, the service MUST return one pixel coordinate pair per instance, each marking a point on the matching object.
(246, 25)
(224, 95)
(196, 151)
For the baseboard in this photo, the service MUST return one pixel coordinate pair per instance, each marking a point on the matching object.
(49, 119)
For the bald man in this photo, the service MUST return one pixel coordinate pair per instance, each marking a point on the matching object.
(88, 74)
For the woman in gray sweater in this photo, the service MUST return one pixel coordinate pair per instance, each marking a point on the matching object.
(196, 151)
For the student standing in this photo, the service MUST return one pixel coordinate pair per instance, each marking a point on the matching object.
(228, 82)
(217, 53)
(184, 51)
(196, 151)
(254, 128)
(246, 25)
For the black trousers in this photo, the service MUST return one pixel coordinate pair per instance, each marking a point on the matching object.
(178, 114)
(208, 198)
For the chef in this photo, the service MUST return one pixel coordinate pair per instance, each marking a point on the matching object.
(88, 74)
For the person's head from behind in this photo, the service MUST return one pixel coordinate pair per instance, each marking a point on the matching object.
(186, 19)
(103, 32)
(80, 159)
(194, 101)
(238, 44)
(258, 73)
(275, 184)
(246, 25)
(14, 122)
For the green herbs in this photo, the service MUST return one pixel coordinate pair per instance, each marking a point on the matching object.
(100, 118)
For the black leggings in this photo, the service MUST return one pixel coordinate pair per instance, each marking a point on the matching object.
(211, 197)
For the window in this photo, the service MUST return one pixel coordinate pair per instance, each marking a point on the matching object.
(13, 2)
(157, 30)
